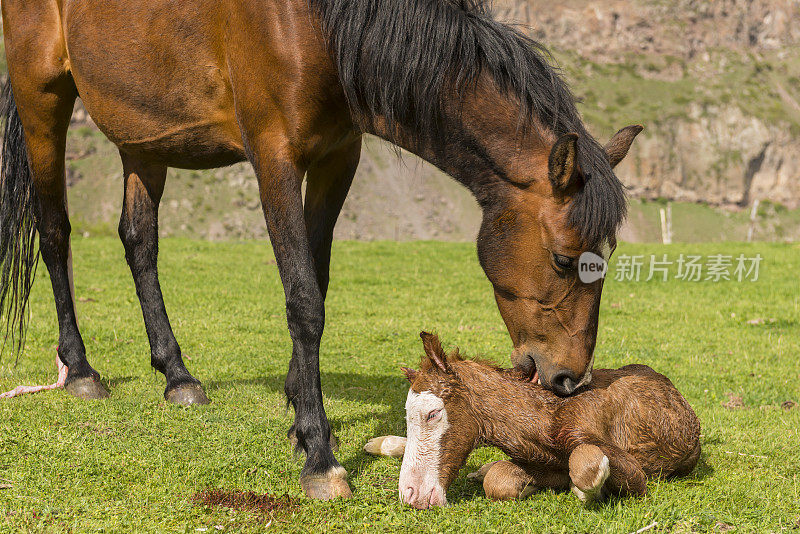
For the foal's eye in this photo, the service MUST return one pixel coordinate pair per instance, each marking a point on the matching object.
(564, 263)
(433, 415)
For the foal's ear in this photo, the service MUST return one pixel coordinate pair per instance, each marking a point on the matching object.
(563, 162)
(617, 148)
(411, 374)
(434, 352)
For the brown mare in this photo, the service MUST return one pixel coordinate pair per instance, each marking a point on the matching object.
(628, 425)
(291, 86)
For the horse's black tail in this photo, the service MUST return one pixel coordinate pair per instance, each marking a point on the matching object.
(18, 252)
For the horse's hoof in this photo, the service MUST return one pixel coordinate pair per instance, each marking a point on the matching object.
(392, 446)
(327, 486)
(86, 388)
(595, 492)
(187, 394)
(332, 439)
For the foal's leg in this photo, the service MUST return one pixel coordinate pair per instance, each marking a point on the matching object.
(599, 469)
(588, 471)
(327, 184)
(45, 94)
(279, 179)
(507, 480)
(138, 229)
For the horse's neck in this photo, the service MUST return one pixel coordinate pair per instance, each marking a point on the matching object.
(514, 416)
(483, 146)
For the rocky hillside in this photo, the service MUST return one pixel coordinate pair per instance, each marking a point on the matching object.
(717, 84)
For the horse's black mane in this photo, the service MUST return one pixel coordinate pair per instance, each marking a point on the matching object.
(404, 60)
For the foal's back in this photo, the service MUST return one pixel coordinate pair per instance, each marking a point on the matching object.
(641, 412)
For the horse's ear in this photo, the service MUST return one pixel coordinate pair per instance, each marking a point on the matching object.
(563, 162)
(617, 148)
(411, 374)
(433, 351)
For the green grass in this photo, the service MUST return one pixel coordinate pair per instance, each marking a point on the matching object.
(131, 463)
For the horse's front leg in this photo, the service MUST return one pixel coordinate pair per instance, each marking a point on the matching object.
(279, 181)
(138, 229)
(327, 184)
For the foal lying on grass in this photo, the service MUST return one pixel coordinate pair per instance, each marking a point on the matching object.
(629, 424)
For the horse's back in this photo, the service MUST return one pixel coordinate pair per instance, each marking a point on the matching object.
(173, 81)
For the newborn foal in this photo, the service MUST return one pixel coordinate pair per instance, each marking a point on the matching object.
(628, 425)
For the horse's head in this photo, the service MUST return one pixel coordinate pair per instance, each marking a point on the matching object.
(440, 428)
(560, 204)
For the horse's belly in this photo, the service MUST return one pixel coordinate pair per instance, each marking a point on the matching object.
(198, 146)
(157, 86)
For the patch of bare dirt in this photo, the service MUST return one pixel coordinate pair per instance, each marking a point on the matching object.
(245, 500)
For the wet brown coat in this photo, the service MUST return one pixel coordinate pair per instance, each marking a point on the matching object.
(634, 415)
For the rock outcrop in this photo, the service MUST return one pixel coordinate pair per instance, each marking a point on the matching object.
(727, 144)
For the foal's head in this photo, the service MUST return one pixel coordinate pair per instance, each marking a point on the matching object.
(441, 428)
(563, 201)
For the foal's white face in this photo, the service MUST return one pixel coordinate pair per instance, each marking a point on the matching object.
(426, 422)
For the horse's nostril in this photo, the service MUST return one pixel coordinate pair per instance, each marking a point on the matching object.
(408, 495)
(564, 382)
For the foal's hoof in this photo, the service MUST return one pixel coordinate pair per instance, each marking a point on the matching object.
(392, 446)
(479, 475)
(595, 491)
(86, 388)
(187, 394)
(327, 486)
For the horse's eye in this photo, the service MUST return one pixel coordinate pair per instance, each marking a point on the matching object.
(564, 263)
(433, 415)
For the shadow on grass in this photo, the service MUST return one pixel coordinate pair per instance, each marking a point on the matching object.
(385, 390)
(703, 470)
(370, 389)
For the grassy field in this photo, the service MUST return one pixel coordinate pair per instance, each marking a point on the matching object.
(133, 462)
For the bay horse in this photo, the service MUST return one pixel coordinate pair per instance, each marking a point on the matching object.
(628, 425)
(292, 86)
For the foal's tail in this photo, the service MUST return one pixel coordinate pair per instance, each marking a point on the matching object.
(18, 252)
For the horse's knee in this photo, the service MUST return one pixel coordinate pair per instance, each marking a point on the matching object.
(305, 314)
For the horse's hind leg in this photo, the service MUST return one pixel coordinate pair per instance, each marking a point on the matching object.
(44, 94)
(138, 229)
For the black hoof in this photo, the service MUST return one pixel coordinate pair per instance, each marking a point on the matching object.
(292, 435)
(87, 388)
(187, 394)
